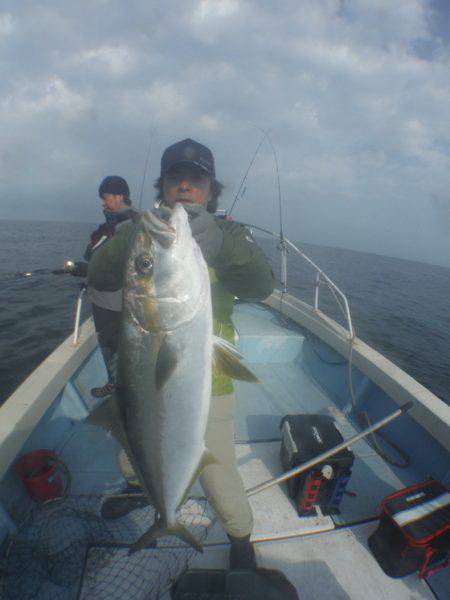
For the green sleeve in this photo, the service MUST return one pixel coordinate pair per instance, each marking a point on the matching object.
(241, 266)
(107, 264)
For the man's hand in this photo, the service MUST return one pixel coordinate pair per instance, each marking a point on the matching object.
(205, 231)
(77, 269)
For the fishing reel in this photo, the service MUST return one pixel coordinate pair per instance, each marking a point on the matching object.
(69, 266)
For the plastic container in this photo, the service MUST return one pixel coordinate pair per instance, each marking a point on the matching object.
(43, 474)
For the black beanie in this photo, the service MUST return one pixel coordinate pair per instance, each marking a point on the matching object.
(113, 184)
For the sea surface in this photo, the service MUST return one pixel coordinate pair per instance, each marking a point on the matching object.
(399, 307)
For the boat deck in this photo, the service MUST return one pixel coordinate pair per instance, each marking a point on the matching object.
(323, 557)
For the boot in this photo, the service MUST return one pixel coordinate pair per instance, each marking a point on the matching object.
(119, 506)
(242, 553)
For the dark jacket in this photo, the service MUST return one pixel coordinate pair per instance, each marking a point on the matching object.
(106, 255)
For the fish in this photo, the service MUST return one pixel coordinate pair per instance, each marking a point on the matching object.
(167, 353)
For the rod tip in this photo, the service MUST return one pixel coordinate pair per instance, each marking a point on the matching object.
(407, 406)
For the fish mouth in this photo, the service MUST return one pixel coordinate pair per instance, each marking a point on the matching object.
(158, 225)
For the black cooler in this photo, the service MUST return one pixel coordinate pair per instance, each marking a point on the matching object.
(303, 438)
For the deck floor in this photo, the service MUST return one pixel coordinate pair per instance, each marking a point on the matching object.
(320, 561)
(335, 565)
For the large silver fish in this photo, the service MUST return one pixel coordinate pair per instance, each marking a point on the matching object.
(160, 409)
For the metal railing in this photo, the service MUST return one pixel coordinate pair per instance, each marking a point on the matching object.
(321, 277)
(76, 324)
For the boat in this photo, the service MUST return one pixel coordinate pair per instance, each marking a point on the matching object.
(307, 363)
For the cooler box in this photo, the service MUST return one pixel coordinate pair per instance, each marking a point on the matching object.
(303, 438)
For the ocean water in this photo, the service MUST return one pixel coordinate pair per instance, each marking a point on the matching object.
(398, 307)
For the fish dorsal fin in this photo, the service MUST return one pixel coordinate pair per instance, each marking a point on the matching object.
(228, 361)
(165, 363)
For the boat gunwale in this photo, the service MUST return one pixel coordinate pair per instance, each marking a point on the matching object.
(428, 410)
(21, 412)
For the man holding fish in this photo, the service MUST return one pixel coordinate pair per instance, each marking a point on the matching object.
(175, 400)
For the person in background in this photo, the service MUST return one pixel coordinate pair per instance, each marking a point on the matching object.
(105, 262)
(237, 267)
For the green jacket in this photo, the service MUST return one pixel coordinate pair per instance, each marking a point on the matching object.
(240, 269)
(107, 263)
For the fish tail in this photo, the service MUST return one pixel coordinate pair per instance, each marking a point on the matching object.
(157, 530)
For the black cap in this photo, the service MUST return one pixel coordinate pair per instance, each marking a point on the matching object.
(113, 184)
(188, 151)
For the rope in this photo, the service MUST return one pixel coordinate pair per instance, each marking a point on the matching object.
(364, 422)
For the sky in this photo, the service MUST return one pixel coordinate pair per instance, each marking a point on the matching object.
(355, 94)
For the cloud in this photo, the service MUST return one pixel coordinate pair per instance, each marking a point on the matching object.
(117, 60)
(208, 10)
(354, 93)
(27, 101)
(6, 24)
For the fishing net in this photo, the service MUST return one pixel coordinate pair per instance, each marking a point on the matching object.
(66, 550)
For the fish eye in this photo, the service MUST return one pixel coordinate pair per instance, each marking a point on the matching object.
(145, 264)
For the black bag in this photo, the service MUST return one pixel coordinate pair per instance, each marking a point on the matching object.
(414, 530)
(218, 584)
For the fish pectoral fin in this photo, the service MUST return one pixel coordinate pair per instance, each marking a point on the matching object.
(207, 459)
(228, 361)
(106, 415)
(165, 363)
(159, 529)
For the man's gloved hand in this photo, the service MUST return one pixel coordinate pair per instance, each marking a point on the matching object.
(205, 231)
(79, 269)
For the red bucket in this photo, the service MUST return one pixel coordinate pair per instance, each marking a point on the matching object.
(43, 475)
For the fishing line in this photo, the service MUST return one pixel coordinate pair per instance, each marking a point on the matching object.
(267, 136)
(282, 245)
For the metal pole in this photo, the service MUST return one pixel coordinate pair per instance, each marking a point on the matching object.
(283, 266)
(318, 459)
(77, 316)
(316, 292)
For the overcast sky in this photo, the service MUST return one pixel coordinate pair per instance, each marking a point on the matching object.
(355, 93)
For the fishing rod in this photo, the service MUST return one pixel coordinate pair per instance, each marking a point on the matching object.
(248, 170)
(26, 274)
(69, 265)
(329, 453)
(282, 246)
(147, 161)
